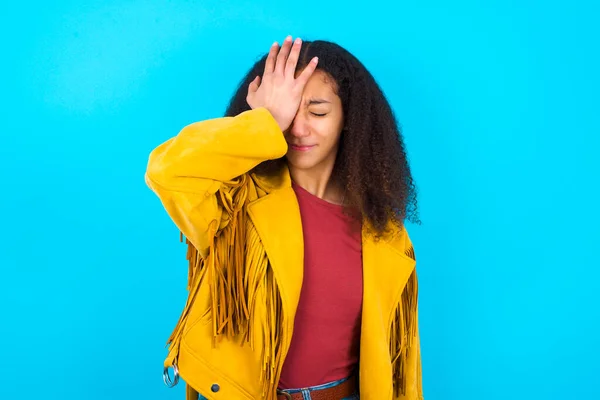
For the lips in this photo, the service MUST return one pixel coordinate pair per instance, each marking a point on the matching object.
(296, 147)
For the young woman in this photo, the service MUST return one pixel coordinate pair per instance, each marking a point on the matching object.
(302, 281)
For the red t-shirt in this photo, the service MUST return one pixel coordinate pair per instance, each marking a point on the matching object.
(326, 340)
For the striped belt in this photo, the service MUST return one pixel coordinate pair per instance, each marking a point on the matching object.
(338, 392)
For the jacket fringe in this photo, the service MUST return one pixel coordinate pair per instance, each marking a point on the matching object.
(190, 393)
(237, 268)
(403, 330)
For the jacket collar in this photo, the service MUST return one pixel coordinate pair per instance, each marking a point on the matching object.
(281, 179)
(396, 238)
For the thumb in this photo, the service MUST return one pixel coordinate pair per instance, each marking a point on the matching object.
(254, 85)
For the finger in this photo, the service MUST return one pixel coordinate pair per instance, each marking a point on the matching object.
(253, 87)
(292, 61)
(270, 63)
(283, 55)
(307, 72)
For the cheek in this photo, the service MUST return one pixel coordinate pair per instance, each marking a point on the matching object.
(329, 131)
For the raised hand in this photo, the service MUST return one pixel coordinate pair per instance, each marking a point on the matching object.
(279, 91)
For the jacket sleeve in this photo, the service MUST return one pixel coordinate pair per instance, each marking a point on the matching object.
(186, 171)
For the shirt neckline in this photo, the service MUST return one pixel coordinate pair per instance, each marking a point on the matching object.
(316, 199)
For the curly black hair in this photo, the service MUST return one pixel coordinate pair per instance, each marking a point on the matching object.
(371, 164)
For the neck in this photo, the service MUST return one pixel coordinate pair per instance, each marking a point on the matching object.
(318, 182)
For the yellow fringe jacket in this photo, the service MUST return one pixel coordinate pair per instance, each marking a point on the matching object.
(245, 253)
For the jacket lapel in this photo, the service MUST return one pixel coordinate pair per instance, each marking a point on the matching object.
(386, 269)
(276, 217)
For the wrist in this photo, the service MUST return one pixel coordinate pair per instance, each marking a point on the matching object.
(282, 125)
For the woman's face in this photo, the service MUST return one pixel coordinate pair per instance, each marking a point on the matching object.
(314, 136)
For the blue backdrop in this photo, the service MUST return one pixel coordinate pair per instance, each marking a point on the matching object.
(499, 105)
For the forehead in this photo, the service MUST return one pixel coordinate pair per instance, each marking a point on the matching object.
(320, 84)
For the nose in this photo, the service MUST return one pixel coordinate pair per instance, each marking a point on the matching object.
(299, 126)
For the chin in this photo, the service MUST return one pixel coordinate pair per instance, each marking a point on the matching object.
(301, 162)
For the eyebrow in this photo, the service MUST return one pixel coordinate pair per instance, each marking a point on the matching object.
(318, 101)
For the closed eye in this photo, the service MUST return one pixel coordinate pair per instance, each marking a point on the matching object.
(318, 115)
